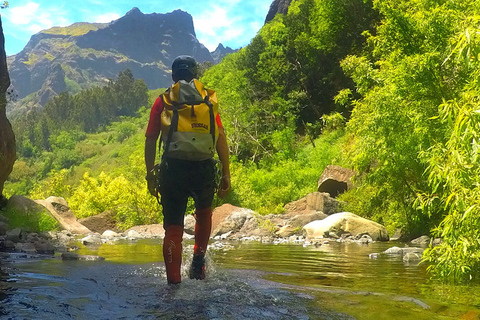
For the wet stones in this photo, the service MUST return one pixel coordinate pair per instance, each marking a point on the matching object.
(407, 254)
(74, 257)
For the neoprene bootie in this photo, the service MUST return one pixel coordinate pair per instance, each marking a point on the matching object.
(197, 269)
(203, 228)
(172, 253)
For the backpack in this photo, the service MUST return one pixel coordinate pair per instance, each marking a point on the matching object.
(189, 127)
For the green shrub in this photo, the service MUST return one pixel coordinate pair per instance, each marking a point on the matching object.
(128, 199)
(32, 221)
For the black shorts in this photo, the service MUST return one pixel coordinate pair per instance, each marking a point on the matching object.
(180, 179)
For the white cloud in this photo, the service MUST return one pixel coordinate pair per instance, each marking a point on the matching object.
(209, 24)
(34, 18)
(107, 17)
(23, 15)
(216, 26)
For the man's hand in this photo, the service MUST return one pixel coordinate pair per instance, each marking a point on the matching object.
(224, 187)
(152, 184)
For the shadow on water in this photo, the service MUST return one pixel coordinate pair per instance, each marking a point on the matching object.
(244, 281)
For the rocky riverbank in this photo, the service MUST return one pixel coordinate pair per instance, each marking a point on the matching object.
(317, 219)
(306, 227)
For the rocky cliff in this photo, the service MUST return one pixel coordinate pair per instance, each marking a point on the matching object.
(277, 6)
(7, 138)
(221, 52)
(83, 54)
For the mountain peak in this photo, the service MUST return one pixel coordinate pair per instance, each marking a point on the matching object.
(133, 11)
(221, 52)
(91, 53)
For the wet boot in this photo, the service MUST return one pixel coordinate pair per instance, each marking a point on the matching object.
(203, 228)
(197, 269)
(172, 253)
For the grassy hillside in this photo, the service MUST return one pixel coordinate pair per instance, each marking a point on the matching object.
(76, 29)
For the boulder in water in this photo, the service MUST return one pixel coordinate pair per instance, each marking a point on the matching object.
(345, 222)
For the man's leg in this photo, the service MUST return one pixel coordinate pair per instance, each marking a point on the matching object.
(174, 202)
(172, 253)
(203, 229)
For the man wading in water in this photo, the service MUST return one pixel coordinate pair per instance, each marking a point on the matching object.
(187, 118)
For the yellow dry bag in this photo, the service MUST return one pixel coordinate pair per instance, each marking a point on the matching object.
(189, 129)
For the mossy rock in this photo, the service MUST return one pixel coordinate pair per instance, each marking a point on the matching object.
(30, 216)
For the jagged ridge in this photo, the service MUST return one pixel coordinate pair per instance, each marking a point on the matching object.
(83, 54)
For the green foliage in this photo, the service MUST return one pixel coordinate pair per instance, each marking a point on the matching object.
(73, 115)
(54, 185)
(267, 186)
(415, 127)
(123, 130)
(32, 221)
(333, 121)
(454, 170)
(289, 74)
(128, 199)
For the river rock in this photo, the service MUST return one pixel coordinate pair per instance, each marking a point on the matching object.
(296, 206)
(44, 247)
(146, 231)
(60, 210)
(92, 240)
(394, 251)
(189, 224)
(234, 221)
(253, 228)
(3, 228)
(60, 238)
(315, 201)
(220, 213)
(15, 235)
(399, 235)
(408, 254)
(25, 247)
(294, 225)
(3, 219)
(101, 222)
(423, 241)
(110, 235)
(345, 222)
(7, 245)
(75, 256)
(322, 201)
(335, 180)
(412, 257)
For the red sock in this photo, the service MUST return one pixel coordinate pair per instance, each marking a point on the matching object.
(203, 228)
(172, 252)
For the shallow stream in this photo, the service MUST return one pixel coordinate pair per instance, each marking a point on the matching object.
(244, 281)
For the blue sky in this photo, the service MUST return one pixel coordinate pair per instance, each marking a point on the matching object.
(232, 22)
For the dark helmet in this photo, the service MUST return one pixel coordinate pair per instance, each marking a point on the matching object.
(184, 68)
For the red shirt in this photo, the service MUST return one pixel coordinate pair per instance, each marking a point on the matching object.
(155, 122)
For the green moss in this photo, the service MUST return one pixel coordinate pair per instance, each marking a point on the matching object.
(32, 59)
(49, 56)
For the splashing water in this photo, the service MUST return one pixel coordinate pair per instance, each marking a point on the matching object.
(114, 291)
